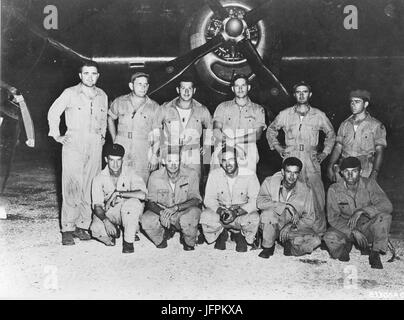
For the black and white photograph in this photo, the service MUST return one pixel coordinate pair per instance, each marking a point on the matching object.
(210, 150)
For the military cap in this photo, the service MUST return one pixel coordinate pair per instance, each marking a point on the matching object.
(362, 94)
(350, 162)
(115, 150)
(138, 75)
(301, 83)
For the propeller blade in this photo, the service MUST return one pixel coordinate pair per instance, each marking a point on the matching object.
(256, 14)
(166, 73)
(279, 95)
(54, 43)
(217, 8)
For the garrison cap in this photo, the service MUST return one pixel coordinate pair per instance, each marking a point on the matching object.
(138, 75)
(115, 150)
(350, 162)
(362, 94)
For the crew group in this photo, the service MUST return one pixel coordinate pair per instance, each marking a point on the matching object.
(153, 172)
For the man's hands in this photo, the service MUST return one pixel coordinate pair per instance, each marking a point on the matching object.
(293, 212)
(360, 238)
(63, 139)
(166, 215)
(280, 150)
(320, 157)
(284, 234)
(153, 163)
(114, 198)
(332, 173)
(110, 228)
(354, 218)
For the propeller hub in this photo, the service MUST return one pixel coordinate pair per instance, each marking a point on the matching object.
(234, 27)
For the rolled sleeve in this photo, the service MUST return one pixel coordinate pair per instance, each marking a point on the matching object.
(260, 118)
(380, 136)
(97, 193)
(113, 111)
(219, 114)
(272, 131)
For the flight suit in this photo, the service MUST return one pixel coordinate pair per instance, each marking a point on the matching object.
(174, 133)
(160, 192)
(136, 124)
(217, 194)
(86, 121)
(362, 142)
(301, 139)
(238, 121)
(375, 224)
(126, 212)
(304, 236)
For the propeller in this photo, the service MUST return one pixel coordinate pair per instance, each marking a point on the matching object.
(233, 33)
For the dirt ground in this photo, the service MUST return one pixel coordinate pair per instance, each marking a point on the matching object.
(34, 264)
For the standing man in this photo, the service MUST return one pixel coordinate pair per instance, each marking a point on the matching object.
(288, 212)
(173, 203)
(358, 211)
(360, 136)
(239, 123)
(117, 195)
(85, 107)
(302, 124)
(137, 118)
(184, 121)
(230, 200)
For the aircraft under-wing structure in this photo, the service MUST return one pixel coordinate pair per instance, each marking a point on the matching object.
(274, 42)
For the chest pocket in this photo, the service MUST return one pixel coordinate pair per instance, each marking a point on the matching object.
(367, 139)
(345, 209)
(163, 196)
(184, 189)
(249, 121)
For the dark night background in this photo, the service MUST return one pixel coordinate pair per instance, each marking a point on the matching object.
(125, 28)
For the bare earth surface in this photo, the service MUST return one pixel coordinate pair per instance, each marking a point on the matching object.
(34, 264)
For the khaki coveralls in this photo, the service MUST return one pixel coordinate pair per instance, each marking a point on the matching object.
(305, 236)
(301, 139)
(238, 121)
(136, 124)
(174, 133)
(362, 142)
(217, 194)
(375, 225)
(160, 192)
(126, 212)
(86, 121)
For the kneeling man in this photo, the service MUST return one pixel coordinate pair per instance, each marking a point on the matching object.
(288, 212)
(358, 211)
(230, 198)
(117, 196)
(173, 202)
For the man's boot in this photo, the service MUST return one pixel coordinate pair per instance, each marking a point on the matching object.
(220, 243)
(67, 238)
(81, 234)
(287, 248)
(241, 243)
(267, 252)
(127, 247)
(374, 260)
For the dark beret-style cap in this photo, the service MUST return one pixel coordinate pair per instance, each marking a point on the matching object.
(362, 94)
(350, 162)
(114, 150)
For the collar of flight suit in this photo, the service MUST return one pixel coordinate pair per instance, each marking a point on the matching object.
(366, 118)
(310, 111)
(80, 86)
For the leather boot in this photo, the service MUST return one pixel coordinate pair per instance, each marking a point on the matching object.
(267, 252)
(220, 243)
(374, 260)
(127, 247)
(67, 238)
(241, 243)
